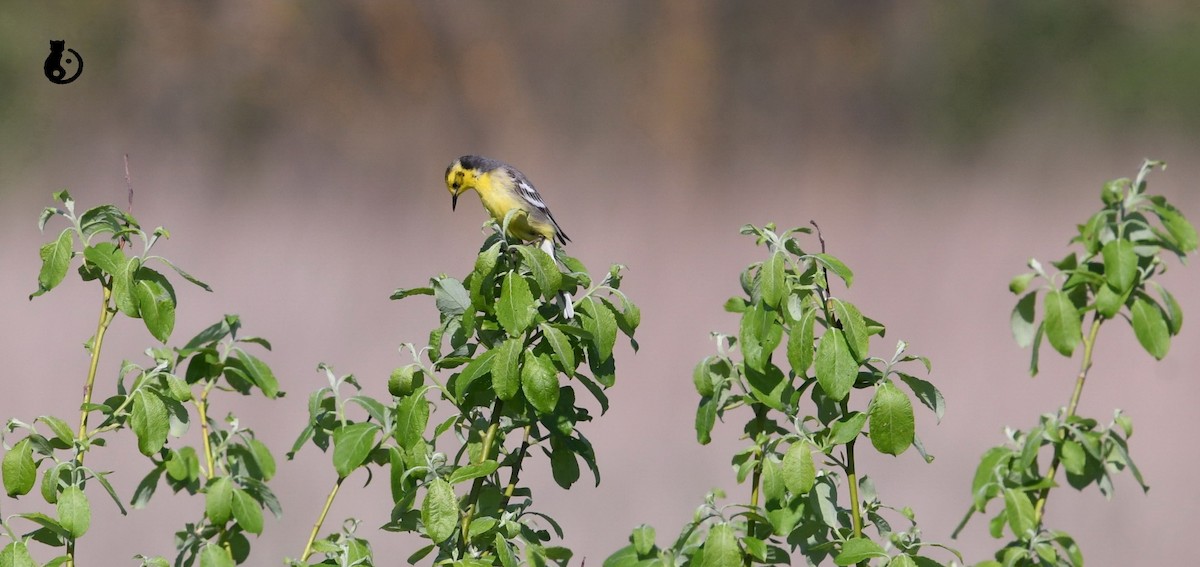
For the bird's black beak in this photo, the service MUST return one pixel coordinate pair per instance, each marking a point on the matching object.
(453, 201)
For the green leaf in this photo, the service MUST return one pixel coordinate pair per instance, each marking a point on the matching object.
(106, 256)
(352, 444)
(891, 418)
(1023, 329)
(183, 465)
(74, 513)
(439, 511)
(1062, 324)
(215, 555)
(721, 547)
(632, 318)
(405, 379)
(561, 345)
(800, 351)
(544, 270)
(1109, 302)
(706, 418)
(402, 293)
(771, 281)
(857, 550)
(768, 385)
(258, 372)
(16, 554)
(1180, 229)
(189, 277)
(149, 420)
(103, 218)
(799, 472)
(477, 368)
(539, 381)
(122, 288)
(772, 489)
(836, 369)
(907, 561)
(926, 393)
(702, 379)
(247, 511)
(844, 430)
(155, 298)
(985, 475)
(736, 305)
(643, 539)
(514, 310)
(1074, 458)
(1150, 327)
(1120, 265)
(485, 262)
(602, 324)
(1037, 348)
(449, 295)
(506, 371)
(853, 327)
(1018, 512)
(1019, 284)
(56, 258)
(564, 466)
(52, 479)
(1174, 311)
(837, 267)
(20, 471)
(473, 471)
(760, 333)
(218, 500)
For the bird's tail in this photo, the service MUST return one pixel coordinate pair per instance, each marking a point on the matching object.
(564, 298)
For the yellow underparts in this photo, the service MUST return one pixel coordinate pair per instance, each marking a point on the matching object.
(500, 200)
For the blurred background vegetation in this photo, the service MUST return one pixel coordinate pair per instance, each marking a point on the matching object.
(295, 149)
(689, 86)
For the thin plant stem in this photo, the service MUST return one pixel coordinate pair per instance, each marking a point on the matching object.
(1089, 342)
(489, 439)
(202, 409)
(756, 481)
(756, 476)
(312, 536)
(106, 317)
(852, 480)
(516, 469)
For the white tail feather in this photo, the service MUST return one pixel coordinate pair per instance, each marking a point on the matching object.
(564, 298)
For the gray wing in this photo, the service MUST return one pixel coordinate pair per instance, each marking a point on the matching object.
(526, 190)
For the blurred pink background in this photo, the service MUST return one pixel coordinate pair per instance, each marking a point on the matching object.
(295, 152)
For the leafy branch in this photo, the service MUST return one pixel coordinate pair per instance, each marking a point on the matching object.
(1123, 246)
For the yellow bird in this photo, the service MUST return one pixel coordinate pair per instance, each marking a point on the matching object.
(503, 188)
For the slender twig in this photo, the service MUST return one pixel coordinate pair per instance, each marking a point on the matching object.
(851, 470)
(106, 317)
(1085, 365)
(202, 409)
(516, 468)
(312, 536)
(852, 480)
(756, 476)
(489, 440)
(128, 185)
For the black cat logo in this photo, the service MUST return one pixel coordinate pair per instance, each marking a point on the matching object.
(53, 67)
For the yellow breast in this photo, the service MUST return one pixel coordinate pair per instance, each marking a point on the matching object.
(499, 201)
